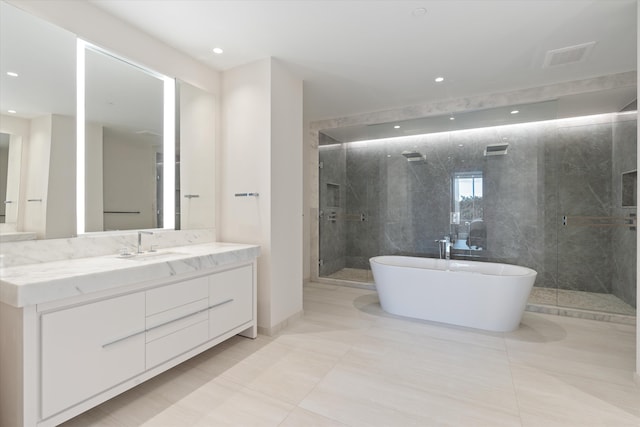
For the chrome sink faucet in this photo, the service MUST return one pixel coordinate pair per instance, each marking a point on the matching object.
(140, 233)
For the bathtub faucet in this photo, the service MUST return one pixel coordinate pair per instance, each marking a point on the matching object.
(445, 247)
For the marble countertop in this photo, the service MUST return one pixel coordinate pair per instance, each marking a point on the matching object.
(17, 236)
(45, 282)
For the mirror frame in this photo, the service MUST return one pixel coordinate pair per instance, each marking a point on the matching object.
(169, 137)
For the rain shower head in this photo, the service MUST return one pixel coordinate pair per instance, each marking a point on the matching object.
(496, 149)
(414, 156)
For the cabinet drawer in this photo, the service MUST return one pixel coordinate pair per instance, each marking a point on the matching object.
(90, 348)
(177, 294)
(192, 332)
(230, 299)
(170, 321)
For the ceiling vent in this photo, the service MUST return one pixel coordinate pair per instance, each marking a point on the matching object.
(567, 55)
(495, 150)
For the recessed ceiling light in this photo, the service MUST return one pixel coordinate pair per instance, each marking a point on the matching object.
(419, 11)
(396, 127)
(439, 79)
(11, 111)
(217, 50)
(515, 112)
(452, 118)
(12, 74)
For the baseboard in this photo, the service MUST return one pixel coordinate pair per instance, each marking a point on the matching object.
(275, 329)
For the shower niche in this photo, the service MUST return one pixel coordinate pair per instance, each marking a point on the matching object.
(333, 195)
(630, 189)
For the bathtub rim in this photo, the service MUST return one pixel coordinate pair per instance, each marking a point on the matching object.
(526, 271)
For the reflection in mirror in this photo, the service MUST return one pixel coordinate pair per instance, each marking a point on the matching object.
(37, 109)
(10, 162)
(195, 201)
(124, 145)
(4, 166)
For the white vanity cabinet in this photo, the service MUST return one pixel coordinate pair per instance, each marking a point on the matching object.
(74, 353)
(230, 300)
(90, 348)
(176, 319)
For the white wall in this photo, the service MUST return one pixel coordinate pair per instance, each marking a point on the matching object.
(61, 203)
(261, 151)
(197, 150)
(14, 164)
(37, 172)
(18, 128)
(94, 199)
(286, 193)
(244, 167)
(49, 174)
(4, 172)
(129, 182)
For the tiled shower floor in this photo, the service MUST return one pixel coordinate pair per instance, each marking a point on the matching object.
(353, 274)
(605, 303)
(583, 300)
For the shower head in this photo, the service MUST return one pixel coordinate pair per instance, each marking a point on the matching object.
(414, 156)
(496, 149)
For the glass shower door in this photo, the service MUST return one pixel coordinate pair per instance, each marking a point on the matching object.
(596, 237)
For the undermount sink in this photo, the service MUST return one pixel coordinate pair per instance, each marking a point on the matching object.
(148, 256)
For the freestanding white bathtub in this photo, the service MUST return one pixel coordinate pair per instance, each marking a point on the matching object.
(480, 295)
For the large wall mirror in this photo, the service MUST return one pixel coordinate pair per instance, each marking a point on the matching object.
(37, 106)
(124, 139)
(127, 124)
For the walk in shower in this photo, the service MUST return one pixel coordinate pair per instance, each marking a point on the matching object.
(555, 195)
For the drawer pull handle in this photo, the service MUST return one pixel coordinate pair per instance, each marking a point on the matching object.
(220, 303)
(176, 319)
(188, 315)
(117, 340)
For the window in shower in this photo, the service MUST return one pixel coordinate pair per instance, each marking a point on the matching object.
(467, 197)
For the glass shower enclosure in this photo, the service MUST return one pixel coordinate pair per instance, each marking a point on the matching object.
(555, 195)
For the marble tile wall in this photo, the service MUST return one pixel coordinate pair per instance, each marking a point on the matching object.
(623, 240)
(580, 161)
(551, 169)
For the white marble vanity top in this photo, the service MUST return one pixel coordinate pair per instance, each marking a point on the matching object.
(31, 284)
(17, 236)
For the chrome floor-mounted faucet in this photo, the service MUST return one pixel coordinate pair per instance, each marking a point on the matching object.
(445, 247)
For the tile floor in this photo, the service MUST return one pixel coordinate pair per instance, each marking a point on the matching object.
(347, 363)
(604, 303)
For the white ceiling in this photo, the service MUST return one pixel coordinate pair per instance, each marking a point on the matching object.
(363, 56)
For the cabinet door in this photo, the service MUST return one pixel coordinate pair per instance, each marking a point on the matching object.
(90, 348)
(230, 300)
